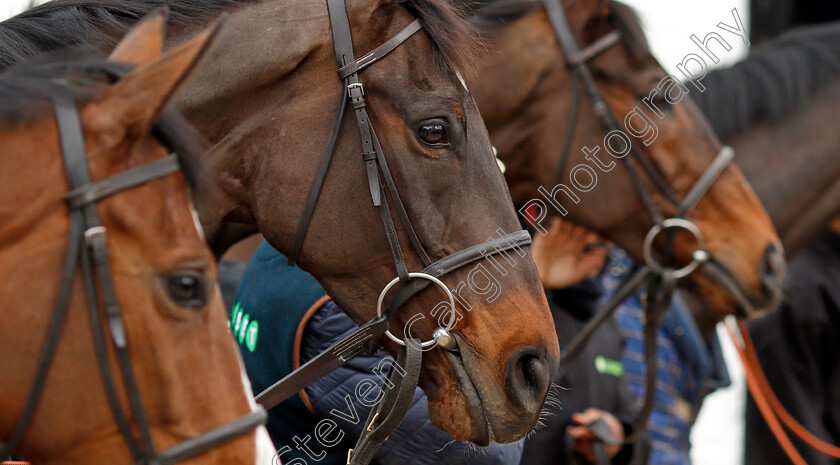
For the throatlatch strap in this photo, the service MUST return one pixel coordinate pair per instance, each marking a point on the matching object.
(309, 208)
(571, 126)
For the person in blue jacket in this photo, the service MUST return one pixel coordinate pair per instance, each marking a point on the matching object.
(689, 365)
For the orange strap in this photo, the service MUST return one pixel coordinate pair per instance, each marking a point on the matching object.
(764, 407)
(760, 388)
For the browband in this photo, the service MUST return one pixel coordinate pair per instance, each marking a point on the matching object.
(381, 51)
(96, 191)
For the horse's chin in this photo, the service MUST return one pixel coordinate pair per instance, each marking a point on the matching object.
(481, 431)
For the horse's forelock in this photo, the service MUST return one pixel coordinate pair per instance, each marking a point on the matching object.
(456, 41)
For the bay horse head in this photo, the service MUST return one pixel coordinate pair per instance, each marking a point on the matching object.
(266, 99)
(136, 357)
(525, 93)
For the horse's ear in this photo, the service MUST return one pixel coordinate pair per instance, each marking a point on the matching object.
(137, 99)
(144, 42)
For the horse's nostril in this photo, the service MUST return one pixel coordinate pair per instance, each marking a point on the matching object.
(528, 377)
(773, 263)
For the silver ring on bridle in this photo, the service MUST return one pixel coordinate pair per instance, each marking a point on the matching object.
(441, 335)
(699, 256)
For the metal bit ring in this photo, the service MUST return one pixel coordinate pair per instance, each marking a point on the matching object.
(434, 280)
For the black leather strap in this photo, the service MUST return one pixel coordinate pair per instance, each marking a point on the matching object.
(62, 304)
(457, 260)
(569, 134)
(213, 438)
(379, 52)
(315, 191)
(389, 412)
(372, 154)
(704, 183)
(94, 192)
(96, 253)
(637, 280)
(594, 49)
(568, 43)
(658, 298)
(334, 357)
(661, 282)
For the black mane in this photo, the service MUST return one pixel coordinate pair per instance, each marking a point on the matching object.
(772, 81)
(455, 39)
(491, 15)
(27, 91)
(67, 23)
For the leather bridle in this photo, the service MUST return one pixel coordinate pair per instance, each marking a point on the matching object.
(660, 278)
(389, 412)
(86, 249)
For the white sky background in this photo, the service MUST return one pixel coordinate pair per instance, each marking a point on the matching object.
(718, 435)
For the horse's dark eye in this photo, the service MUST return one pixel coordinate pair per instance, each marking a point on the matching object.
(187, 288)
(433, 134)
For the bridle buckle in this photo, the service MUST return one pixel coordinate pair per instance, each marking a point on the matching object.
(355, 85)
(90, 233)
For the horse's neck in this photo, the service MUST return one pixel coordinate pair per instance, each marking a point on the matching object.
(794, 167)
(235, 96)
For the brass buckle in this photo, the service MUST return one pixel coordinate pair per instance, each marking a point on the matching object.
(372, 421)
(356, 85)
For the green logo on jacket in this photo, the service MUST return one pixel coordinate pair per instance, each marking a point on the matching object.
(607, 366)
(244, 329)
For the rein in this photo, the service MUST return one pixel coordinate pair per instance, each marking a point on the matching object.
(661, 279)
(86, 248)
(771, 408)
(399, 392)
